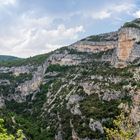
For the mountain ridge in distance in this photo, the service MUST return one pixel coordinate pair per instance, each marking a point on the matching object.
(4, 58)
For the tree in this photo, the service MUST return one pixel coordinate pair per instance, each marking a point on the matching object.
(123, 129)
(3, 132)
(20, 135)
(5, 136)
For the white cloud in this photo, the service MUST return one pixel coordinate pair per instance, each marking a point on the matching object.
(137, 14)
(123, 7)
(101, 15)
(63, 32)
(111, 10)
(7, 2)
(33, 36)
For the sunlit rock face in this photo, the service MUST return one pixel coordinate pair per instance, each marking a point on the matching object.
(126, 42)
(95, 47)
(32, 85)
(128, 37)
(126, 46)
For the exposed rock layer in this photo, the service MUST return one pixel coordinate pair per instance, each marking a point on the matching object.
(126, 46)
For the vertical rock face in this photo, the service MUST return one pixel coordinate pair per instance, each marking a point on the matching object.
(32, 85)
(127, 38)
(125, 45)
(135, 52)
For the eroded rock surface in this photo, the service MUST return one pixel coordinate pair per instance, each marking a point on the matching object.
(96, 125)
(94, 47)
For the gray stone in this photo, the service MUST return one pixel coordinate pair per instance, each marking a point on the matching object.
(96, 125)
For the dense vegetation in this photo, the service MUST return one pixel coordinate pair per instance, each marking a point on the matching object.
(91, 106)
(4, 135)
(39, 117)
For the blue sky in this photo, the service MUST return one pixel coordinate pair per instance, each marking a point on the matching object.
(31, 27)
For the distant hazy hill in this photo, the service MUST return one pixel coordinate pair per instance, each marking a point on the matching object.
(8, 58)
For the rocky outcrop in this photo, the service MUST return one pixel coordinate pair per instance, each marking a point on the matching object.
(17, 70)
(75, 110)
(108, 96)
(97, 43)
(127, 49)
(88, 88)
(65, 58)
(135, 111)
(125, 43)
(94, 47)
(96, 125)
(135, 52)
(32, 85)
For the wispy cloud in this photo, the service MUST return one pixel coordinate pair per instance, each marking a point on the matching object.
(7, 2)
(137, 14)
(100, 15)
(34, 35)
(123, 7)
(109, 11)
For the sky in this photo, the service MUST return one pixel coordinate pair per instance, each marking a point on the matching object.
(31, 27)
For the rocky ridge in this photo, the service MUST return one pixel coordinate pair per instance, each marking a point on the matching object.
(125, 42)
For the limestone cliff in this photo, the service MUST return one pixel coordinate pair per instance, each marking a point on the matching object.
(124, 41)
(95, 47)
